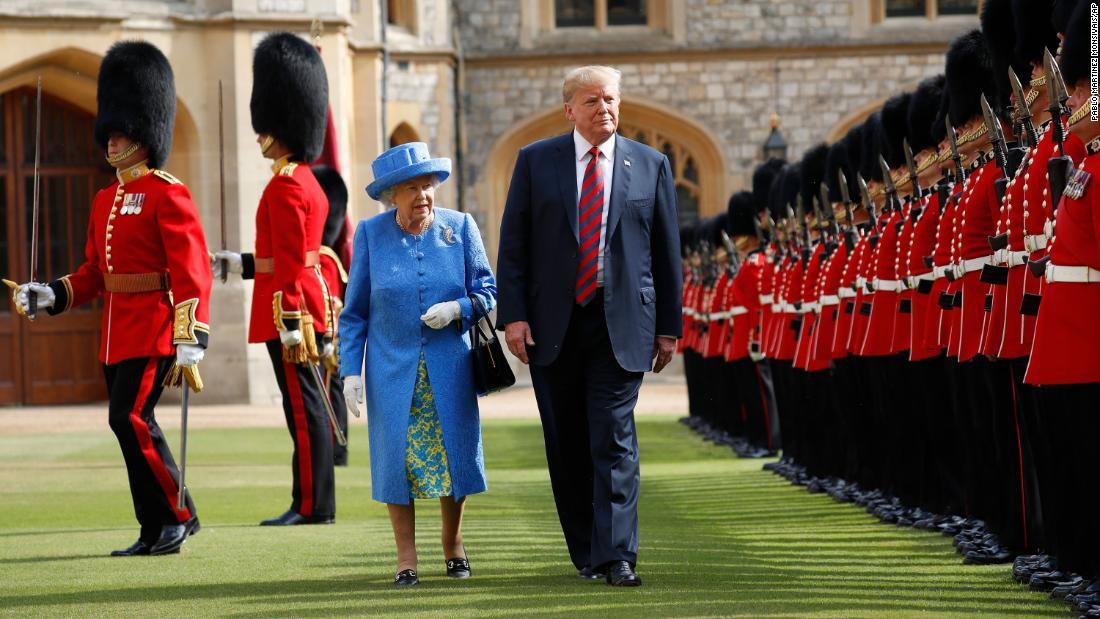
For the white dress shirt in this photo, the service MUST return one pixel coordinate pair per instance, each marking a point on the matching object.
(607, 170)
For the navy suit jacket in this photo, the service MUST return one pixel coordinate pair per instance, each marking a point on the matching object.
(537, 260)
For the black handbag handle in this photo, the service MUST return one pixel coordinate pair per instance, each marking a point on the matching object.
(476, 334)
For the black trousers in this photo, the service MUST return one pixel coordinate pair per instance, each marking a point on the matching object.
(693, 377)
(756, 394)
(942, 489)
(586, 401)
(1067, 485)
(134, 386)
(787, 397)
(314, 488)
(340, 407)
(848, 396)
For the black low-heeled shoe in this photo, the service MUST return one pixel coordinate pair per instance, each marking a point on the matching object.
(458, 567)
(406, 578)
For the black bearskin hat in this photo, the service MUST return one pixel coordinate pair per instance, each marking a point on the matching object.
(837, 161)
(337, 193)
(895, 126)
(786, 180)
(939, 125)
(969, 75)
(1063, 11)
(1034, 33)
(740, 214)
(999, 32)
(290, 94)
(853, 140)
(873, 145)
(137, 98)
(812, 174)
(1074, 61)
(923, 107)
(687, 238)
(762, 179)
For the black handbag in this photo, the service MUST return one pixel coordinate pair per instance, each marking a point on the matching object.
(491, 369)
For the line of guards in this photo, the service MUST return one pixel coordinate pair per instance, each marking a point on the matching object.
(931, 349)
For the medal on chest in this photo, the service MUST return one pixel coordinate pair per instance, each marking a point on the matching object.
(132, 203)
(1078, 182)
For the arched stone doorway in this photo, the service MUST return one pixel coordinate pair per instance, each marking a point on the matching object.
(702, 181)
(403, 134)
(55, 360)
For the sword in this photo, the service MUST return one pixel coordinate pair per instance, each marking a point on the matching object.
(221, 178)
(340, 438)
(32, 296)
(180, 499)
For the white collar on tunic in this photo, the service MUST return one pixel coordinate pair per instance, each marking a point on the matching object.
(582, 146)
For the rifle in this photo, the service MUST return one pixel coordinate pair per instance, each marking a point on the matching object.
(888, 184)
(850, 234)
(997, 139)
(953, 142)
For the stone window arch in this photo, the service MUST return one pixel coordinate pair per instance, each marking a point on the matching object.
(403, 134)
(401, 14)
(702, 181)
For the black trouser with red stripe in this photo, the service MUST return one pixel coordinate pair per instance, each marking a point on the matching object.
(753, 382)
(314, 491)
(340, 407)
(134, 386)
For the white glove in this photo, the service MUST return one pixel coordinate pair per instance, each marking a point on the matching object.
(290, 338)
(329, 349)
(442, 314)
(353, 393)
(45, 296)
(232, 262)
(189, 354)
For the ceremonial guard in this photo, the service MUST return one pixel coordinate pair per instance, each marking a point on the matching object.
(146, 257)
(289, 309)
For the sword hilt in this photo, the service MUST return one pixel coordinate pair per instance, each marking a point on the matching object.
(32, 304)
(225, 269)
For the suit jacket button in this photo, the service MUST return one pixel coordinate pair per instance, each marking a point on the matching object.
(423, 340)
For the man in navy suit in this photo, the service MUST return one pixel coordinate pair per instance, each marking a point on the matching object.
(589, 294)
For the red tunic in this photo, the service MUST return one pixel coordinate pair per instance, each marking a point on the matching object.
(745, 294)
(879, 337)
(831, 310)
(792, 292)
(864, 298)
(146, 225)
(1067, 334)
(975, 223)
(924, 298)
(904, 308)
(849, 298)
(715, 340)
(289, 224)
(688, 318)
(938, 326)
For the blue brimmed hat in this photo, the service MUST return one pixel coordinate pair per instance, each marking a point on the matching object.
(405, 162)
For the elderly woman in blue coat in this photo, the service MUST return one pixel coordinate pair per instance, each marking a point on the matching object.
(419, 277)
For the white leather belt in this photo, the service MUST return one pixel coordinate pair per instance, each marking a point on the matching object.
(940, 272)
(1057, 273)
(1035, 242)
(971, 265)
(766, 299)
(915, 280)
(1016, 258)
(777, 308)
(889, 285)
(812, 306)
(830, 299)
(846, 293)
(738, 310)
(861, 282)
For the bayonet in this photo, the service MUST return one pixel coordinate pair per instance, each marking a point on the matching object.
(953, 142)
(1021, 113)
(868, 203)
(32, 296)
(911, 165)
(891, 189)
(181, 497)
(1057, 167)
(996, 137)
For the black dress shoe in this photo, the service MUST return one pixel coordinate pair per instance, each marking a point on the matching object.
(139, 547)
(587, 573)
(620, 574)
(173, 536)
(989, 556)
(406, 578)
(291, 518)
(458, 567)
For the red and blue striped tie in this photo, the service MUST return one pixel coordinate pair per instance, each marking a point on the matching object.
(590, 218)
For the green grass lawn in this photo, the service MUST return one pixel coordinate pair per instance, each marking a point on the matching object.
(718, 537)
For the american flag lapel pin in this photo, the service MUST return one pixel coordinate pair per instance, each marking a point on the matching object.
(626, 162)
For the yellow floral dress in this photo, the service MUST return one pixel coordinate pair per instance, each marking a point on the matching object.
(425, 456)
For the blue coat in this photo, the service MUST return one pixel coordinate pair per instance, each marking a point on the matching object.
(394, 278)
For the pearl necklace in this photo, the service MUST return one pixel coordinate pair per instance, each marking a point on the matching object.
(423, 225)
